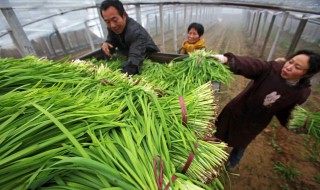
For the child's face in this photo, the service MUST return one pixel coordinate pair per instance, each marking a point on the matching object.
(193, 36)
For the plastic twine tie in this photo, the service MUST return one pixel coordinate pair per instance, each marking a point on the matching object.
(173, 178)
(306, 121)
(185, 168)
(159, 179)
(213, 139)
(136, 82)
(183, 111)
(189, 160)
(107, 82)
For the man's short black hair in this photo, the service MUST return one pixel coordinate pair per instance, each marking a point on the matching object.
(112, 3)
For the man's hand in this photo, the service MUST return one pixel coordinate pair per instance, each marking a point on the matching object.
(106, 48)
(130, 69)
(219, 57)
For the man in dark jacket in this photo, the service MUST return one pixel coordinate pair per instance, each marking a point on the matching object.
(127, 35)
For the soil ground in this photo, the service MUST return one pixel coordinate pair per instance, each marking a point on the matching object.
(298, 152)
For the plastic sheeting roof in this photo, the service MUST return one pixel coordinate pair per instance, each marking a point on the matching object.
(38, 16)
(29, 11)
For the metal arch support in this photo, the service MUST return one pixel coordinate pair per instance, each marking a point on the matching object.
(89, 37)
(297, 35)
(257, 28)
(184, 17)
(102, 24)
(248, 21)
(59, 37)
(162, 27)
(276, 40)
(264, 20)
(138, 13)
(19, 37)
(268, 33)
(252, 22)
(15, 42)
(51, 43)
(174, 28)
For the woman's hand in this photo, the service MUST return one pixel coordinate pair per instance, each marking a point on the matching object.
(219, 57)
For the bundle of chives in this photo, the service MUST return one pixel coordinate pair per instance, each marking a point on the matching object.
(200, 107)
(134, 99)
(26, 72)
(202, 68)
(158, 75)
(186, 151)
(125, 150)
(302, 118)
(37, 120)
(209, 158)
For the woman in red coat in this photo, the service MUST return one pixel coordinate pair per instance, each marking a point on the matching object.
(274, 90)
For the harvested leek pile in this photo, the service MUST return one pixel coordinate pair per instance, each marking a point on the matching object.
(180, 76)
(76, 125)
(303, 119)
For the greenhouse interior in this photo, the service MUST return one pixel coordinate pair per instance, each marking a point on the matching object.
(70, 118)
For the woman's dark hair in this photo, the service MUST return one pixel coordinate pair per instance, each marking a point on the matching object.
(314, 65)
(199, 28)
(112, 3)
(314, 60)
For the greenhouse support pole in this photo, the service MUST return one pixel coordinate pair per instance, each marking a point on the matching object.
(248, 20)
(77, 39)
(148, 28)
(174, 29)
(89, 35)
(69, 41)
(21, 38)
(156, 19)
(102, 24)
(168, 25)
(45, 47)
(252, 23)
(162, 28)
(138, 13)
(265, 15)
(184, 17)
(51, 43)
(276, 40)
(257, 28)
(59, 37)
(45, 41)
(15, 42)
(297, 35)
(197, 13)
(268, 35)
(190, 15)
